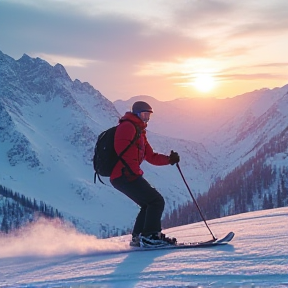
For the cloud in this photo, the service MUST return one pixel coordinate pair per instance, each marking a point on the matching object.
(247, 72)
(108, 37)
(276, 65)
(227, 23)
(189, 29)
(250, 76)
(262, 19)
(128, 43)
(200, 11)
(65, 61)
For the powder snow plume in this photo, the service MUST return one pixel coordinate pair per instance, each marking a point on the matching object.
(46, 237)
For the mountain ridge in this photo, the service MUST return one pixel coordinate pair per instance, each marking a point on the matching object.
(49, 125)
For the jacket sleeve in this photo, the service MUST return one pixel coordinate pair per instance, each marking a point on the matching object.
(123, 137)
(155, 158)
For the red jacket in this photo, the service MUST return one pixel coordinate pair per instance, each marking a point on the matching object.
(139, 151)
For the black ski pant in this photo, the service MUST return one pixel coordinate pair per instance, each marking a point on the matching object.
(148, 198)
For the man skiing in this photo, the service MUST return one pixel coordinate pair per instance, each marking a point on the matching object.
(127, 175)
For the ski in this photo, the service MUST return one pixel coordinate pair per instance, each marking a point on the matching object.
(203, 244)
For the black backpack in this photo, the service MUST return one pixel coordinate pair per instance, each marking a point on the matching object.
(105, 156)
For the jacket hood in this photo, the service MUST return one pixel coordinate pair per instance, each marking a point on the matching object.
(135, 119)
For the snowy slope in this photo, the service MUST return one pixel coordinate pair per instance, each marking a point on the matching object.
(49, 125)
(59, 256)
(49, 138)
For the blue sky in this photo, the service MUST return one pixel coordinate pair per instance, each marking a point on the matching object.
(162, 48)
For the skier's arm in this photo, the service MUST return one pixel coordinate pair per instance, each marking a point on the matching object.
(155, 158)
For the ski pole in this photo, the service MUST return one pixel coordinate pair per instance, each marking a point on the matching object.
(214, 238)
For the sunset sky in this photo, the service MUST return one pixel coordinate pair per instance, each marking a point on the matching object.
(163, 48)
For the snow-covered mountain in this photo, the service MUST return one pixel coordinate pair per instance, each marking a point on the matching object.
(197, 117)
(231, 129)
(48, 129)
(49, 125)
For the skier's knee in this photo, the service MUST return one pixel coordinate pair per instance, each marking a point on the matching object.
(160, 202)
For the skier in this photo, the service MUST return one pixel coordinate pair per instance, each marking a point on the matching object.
(127, 175)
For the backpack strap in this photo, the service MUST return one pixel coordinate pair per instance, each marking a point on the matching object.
(136, 137)
(98, 176)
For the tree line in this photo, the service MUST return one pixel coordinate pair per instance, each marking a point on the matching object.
(255, 185)
(16, 210)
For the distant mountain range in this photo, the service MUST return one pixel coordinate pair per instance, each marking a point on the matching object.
(49, 125)
(231, 129)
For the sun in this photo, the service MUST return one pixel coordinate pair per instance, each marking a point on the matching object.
(204, 82)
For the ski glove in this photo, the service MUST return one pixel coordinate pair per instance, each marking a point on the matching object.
(174, 157)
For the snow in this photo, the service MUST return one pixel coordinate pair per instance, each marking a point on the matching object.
(50, 254)
(49, 131)
(58, 127)
(49, 125)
